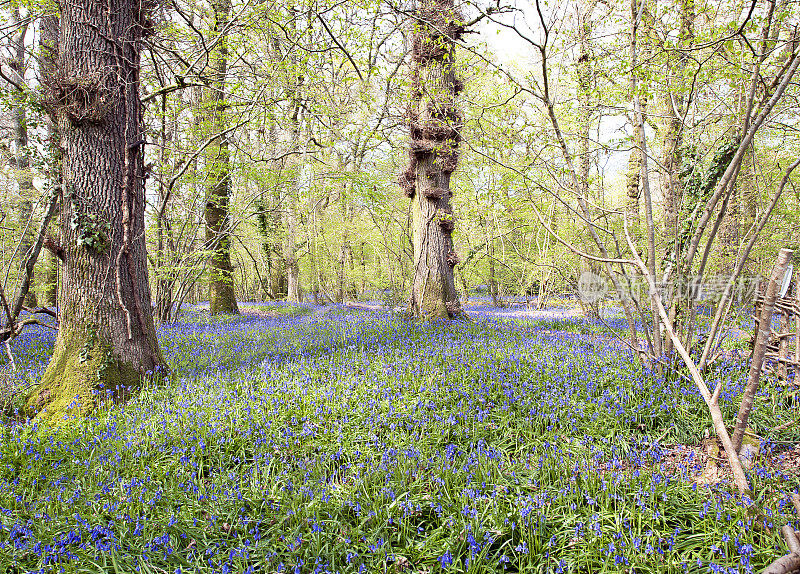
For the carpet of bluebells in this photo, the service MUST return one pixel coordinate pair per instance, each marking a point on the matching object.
(356, 441)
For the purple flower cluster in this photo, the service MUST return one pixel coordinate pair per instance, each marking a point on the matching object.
(361, 442)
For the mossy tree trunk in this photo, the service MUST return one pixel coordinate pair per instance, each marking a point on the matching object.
(632, 189)
(641, 26)
(585, 76)
(269, 226)
(290, 257)
(106, 342)
(166, 279)
(217, 213)
(362, 260)
(675, 102)
(293, 294)
(48, 40)
(51, 281)
(345, 285)
(268, 222)
(435, 123)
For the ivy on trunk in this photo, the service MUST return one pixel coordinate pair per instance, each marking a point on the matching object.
(106, 342)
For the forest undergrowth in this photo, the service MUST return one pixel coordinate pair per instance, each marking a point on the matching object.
(349, 441)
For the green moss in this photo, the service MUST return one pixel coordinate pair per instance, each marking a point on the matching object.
(434, 302)
(223, 300)
(433, 308)
(82, 372)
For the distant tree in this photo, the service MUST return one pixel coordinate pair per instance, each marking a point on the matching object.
(106, 341)
(33, 225)
(22, 155)
(48, 41)
(218, 233)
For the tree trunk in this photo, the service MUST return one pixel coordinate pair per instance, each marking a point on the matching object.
(639, 108)
(106, 341)
(435, 124)
(748, 190)
(222, 297)
(269, 225)
(290, 257)
(51, 281)
(764, 327)
(632, 186)
(584, 72)
(493, 289)
(22, 163)
(292, 199)
(671, 161)
(346, 287)
(730, 234)
(634, 158)
(363, 263)
(313, 251)
(341, 264)
(674, 108)
(640, 27)
(48, 38)
(730, 229)
(352, 285)
(165, 276)
(675, 105)
(268, 221)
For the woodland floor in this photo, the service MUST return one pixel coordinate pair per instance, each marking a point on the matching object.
(301, 439)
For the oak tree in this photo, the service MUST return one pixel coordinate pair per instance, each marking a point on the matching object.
(106, 342)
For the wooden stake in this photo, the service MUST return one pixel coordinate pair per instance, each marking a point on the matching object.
(783, 345)
(797, 332)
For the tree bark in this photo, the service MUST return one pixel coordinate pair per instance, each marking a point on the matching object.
(494, 290)
(22, 164)
(730, 228)
(165, 258)
(639, 106)
(106, 342)
(363, 264)
(674, 108)
(51, 281)
(435, 124)
(584, 73)
(675, 103)
(48, 38)
(222, 297)
(632, 189)
(293, 294)
(341, 264)
(268, 221)
(292, 200)
(633, 184)
(764, 326)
